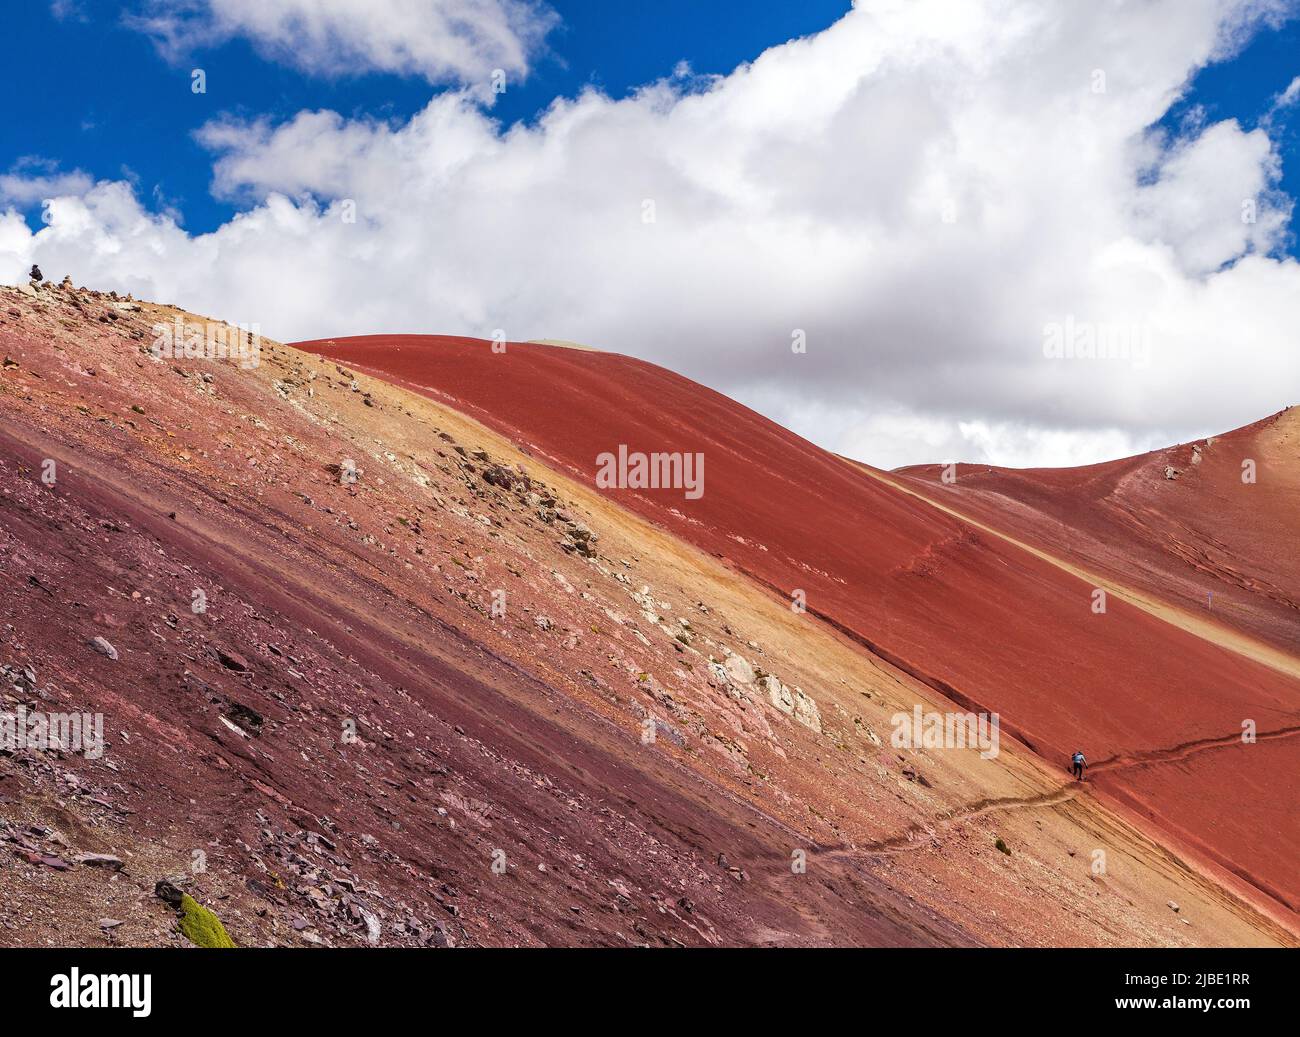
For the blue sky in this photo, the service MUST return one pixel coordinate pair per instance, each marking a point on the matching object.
(1244, 89)
(135, 116)
(135, 111)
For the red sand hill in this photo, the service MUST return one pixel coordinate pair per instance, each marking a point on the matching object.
(442, 690)
(345, 745)
(1211, 524)
(1157, 700)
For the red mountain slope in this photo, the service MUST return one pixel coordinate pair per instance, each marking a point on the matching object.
(1155, 697)
(371, 674)
(1211, 523)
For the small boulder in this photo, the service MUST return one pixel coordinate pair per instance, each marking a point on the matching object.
(439, 937)
(168, 893)
(739, 670)
(233, 661)
(103, 647)
(100, 860)
(247, 718)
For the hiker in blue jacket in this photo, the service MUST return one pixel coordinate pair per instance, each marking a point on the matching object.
(1077, 764)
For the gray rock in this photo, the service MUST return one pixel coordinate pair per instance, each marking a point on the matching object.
(103, 647)
(439, 937)
(232, 660)
(806, 711)
(667, 730)
(99, 860)
(373, 930)
(739, 670)
(778, 694)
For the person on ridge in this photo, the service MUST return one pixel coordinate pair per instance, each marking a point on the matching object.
(1077, 764)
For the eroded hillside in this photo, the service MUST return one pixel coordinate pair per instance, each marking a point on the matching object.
(371, 672)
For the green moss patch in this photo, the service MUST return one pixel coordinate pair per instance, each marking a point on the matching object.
(203, 928)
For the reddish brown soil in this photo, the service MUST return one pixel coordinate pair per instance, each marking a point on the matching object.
(646, 743)
(1206, 538)
(980, 619)
(331, 605)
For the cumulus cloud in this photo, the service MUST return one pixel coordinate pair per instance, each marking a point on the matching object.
(441, 40)
(1203, 178)
(31, 180)
(961, 206)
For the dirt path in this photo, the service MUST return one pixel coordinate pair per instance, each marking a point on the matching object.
(911, 837)
(1182, 751)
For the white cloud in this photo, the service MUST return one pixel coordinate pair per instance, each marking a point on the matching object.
(68, 10)
(1221, 171)
(926, 188)
(441, 40)
(31, 180)
(1290, 95)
